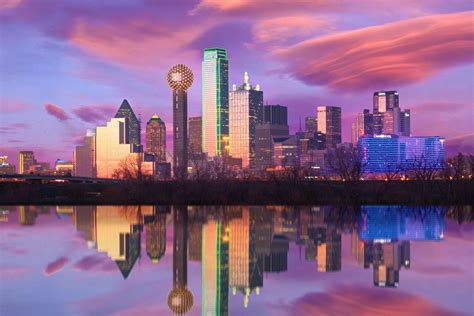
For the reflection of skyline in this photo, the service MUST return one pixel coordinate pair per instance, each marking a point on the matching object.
(384, 236)
(215, 268)
(240, 245)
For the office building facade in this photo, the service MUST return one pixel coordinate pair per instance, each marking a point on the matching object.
(26, 159)
(245, 112)
(84, 156)
(112, 146)
(363, 125)
(215, 102)
(310, 124)
(384, 153)
(275, 114)
(264, 134)
(132, 125)
(195, 135)
(329, 123)
(385, 101)
(156, 138)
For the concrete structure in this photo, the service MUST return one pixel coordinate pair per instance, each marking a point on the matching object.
(285, 151)
(310, 124)
(264, 134)
(84, 156)
(363, 125)
(6, 167)
(245, 112)
(25, 160)
(195, 135)
(112, 147)
(215, 101)
(180, 79)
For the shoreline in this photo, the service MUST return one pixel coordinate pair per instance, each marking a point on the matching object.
(232, 192)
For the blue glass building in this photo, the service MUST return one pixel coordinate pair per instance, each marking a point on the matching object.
(396, 223)
(385, 153)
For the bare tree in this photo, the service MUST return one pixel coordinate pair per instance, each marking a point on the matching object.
(132, 168)
(423, 168)
(459, 167)
(346, 163)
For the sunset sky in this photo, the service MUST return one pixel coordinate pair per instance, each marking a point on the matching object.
(66, 66)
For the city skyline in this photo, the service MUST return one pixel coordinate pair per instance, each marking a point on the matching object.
(47, 109)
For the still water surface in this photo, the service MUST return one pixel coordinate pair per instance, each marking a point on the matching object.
(138, 260)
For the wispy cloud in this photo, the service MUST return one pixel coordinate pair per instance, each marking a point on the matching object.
(56, 111)
(377, 57)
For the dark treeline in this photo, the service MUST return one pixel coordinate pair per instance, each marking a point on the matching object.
(243, 192)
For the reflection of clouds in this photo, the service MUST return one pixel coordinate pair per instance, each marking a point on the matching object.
(438, 269)
(12, 250)
(354, 300)
(13, 272)
(55, 266)
(95, 262)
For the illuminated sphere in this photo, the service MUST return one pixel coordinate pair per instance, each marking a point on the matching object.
(180, 77)
(180, 301)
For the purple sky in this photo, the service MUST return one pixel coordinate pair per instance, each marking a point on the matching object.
(65, 66)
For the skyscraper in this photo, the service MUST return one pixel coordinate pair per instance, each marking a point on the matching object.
(329, 123)
(180, 78)
(385, 100)
(275, 114)
(112, 146)
(156, 138)
(195, 134)
(132, 125)
(310, 124)
(245, 107)
(264, 134)
(84, 156)
(26, 159)
(363, 125)
(215, 101)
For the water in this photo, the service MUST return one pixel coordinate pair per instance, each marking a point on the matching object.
(136, 260)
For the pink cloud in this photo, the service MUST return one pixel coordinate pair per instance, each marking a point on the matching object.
(376, 57)
(280, 29)
(369, 7)
(135, 41)
(55, 266)
(56, 111)
(94, 113)
(354, 300)
(13, 272)
(9, 105)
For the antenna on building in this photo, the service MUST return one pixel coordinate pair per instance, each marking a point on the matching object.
(300, 125)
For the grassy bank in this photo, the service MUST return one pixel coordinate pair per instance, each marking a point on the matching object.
(232, 192)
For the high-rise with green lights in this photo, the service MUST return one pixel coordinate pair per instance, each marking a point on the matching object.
(215, 102)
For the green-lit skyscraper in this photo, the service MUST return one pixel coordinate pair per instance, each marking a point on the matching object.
(215, 102)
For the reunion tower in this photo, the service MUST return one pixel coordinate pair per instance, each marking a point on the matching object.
(180, 78)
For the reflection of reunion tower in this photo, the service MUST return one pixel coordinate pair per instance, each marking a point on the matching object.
(180, 298)
(180, 78)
